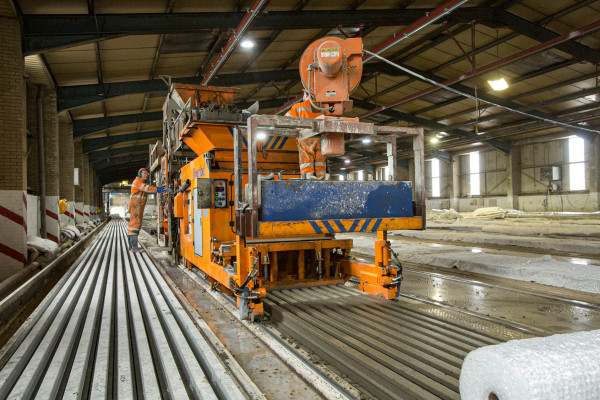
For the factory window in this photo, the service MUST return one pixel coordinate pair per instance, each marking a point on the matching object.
(435, 178)
(76, 176)
(341, 177)
(576, 164)
(360, 175)
(474, 174)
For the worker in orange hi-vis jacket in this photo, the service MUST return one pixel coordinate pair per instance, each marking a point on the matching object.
(312, 161)
(137, 203)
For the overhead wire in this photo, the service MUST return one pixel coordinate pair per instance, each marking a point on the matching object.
(458, 92)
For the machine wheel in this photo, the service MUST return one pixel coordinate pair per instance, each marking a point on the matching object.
(243, 311)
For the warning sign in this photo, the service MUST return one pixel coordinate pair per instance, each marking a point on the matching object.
(330, 52)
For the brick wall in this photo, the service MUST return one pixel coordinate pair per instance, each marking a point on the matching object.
(85, 180)
(66, 165)
(92, 184)
(33, 170)
(78, 163)
(13, 149)
(51, 155)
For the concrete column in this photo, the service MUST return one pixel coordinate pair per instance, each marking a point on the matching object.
(85, 177)
(411, 173)
(78, 163)
(13, 146)
(513, 169)
(592, 153)
(455, 187)
(51, 164)
(66, 167)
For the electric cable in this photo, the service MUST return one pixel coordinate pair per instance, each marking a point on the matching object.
(458, 92)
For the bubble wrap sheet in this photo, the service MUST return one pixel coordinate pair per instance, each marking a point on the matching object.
(561, 367)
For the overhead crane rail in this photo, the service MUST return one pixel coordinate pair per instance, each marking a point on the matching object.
(112, 328)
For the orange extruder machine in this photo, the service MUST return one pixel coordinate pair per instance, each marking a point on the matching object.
(249, 222)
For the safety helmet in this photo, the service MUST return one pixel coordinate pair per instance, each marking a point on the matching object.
(141, 170)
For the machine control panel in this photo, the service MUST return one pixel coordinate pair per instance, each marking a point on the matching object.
(220, 193)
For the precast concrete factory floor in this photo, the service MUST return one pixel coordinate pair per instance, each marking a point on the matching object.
(434, 300)
(112, 328)
(128, 325)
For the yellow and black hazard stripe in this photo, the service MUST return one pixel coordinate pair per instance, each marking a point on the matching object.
(338, 225)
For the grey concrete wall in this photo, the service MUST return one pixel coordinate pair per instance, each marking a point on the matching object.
(523, 189)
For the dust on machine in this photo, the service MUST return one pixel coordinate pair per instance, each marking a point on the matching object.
(251, 207)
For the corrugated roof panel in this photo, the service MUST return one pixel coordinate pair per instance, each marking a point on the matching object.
(130, 6)
(53, 7)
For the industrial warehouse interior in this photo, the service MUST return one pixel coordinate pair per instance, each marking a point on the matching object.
(295, 199)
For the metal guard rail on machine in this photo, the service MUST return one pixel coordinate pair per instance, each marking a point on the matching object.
(280, 233)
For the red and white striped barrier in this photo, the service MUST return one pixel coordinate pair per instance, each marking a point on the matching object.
(79, 213)
(68, 218)
(86, 213)
(13, 235)
(52, 223)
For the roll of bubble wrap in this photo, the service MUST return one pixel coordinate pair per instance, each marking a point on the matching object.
(561, 367)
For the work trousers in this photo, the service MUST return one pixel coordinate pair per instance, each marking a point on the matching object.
(311, 159)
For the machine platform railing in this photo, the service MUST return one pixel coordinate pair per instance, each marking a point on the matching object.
(247, 211)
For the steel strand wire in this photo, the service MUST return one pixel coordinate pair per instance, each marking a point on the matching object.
(48, 318)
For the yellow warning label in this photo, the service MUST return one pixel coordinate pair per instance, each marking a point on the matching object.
(330, 52)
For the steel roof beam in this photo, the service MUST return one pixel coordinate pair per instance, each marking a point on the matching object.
(45, 32)
(99, 143)
(117, 174)
(80, 95)
(397, 115)
(89, 126)
(490, 67)
(441, 155)
(103, 154)
(541, 34)
(82, 127)
(249, 19)
(112, 162)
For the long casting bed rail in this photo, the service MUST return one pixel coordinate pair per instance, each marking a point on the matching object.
(389, 350)
(112, 328)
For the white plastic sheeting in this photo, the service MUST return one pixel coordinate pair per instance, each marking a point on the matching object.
(43, 245)
(70, 231)
(559, 367)
(544, 269)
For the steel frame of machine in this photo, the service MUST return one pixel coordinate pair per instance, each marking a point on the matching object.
(376, 279)
(259, 256)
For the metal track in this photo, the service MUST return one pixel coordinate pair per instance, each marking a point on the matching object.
(388, 350)
(112, 329)
(479, 282)
(483, 280)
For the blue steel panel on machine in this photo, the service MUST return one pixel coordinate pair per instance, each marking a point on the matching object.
(302, 200)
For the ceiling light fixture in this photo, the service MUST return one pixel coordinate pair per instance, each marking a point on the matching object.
(247, 44)
(366, 140)
(434, 140)
(498, 84)
(347, 161)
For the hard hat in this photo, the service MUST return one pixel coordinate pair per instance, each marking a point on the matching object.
(140, 171)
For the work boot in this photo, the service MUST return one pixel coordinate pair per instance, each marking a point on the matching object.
(133, 244)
